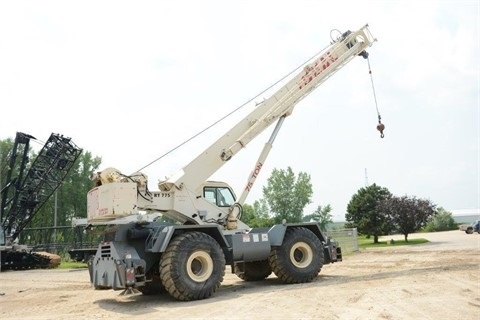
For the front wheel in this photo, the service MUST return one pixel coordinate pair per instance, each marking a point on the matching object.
(192, 267)
(300, 257)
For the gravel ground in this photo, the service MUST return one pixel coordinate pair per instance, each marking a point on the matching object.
(436, 280)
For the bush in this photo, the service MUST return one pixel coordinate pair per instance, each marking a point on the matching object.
(442, 221)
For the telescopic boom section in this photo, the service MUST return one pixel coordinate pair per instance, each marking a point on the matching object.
(329, 61)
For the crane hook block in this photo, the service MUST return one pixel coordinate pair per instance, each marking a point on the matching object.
(381, 127)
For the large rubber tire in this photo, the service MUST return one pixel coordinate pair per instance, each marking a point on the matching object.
(192, 267)
(253, 271)
(300, 257)
(469, 230)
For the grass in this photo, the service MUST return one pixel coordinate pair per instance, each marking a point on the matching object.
(72, 265)
(364, 242)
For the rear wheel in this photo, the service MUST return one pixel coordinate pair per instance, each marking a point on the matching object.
(253, 271)
(192, 267)
(300, 257)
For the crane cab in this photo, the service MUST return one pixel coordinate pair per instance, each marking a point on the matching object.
(217, 193)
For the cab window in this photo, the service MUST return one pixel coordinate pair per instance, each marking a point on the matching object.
(219, 196)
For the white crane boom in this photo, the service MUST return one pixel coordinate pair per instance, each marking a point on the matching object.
(329, 61)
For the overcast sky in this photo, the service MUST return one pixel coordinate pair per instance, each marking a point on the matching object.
(130, 80)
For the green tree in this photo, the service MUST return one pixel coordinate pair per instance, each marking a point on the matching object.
(5, 149)
(263, 217)
(321, 215)
(441, 221)
(363, 212)
(287, 195)
(71, 197)
(257, 215)
(68, 201)
(248, 214)
(408, 214)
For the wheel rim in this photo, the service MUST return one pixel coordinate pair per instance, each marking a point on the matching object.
(199, 266)
(301, 255)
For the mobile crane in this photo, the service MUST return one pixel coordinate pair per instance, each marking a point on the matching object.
(27, 188)
(187, 258)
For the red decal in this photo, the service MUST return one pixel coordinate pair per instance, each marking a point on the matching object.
(313, 72)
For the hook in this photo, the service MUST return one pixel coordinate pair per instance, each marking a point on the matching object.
(380, 126)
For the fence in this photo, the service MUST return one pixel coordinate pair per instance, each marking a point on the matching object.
(58, 240)
(347, 239)
(63, 238)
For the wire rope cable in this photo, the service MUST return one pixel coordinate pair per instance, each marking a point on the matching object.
(233, 111)
(380, 126)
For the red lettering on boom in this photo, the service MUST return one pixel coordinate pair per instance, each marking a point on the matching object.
(254, 175)
(312, 72)
(257, 170)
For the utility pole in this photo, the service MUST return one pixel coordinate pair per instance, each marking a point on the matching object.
(366, 178)
(55, 221)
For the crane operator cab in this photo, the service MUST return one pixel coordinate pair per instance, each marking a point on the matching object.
(218, 193)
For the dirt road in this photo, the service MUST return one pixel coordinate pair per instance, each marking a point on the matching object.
(437, 280)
